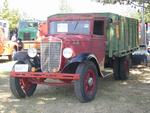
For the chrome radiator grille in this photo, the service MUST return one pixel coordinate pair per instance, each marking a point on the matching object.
(50, 56)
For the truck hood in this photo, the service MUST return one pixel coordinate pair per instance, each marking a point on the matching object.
(79, 43)
(70, 38)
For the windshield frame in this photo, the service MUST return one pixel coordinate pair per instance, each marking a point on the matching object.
(77, 20)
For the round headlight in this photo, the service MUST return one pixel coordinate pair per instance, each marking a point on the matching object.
(32, 52)
(67, 52)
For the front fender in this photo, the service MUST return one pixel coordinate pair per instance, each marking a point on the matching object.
(74, 62)
(22, 56)
(83, 57)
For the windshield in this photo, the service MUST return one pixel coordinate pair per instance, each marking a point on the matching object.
(69, 27)
(25, 24)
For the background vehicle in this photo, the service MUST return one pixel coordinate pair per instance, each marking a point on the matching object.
(30, 32)
(27, 29)
(6, 46)
(27, 32)
(78, 50)
(5, 27)
(141, 56)
(43, 29)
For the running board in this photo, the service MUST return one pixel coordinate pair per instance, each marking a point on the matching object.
(107, 72)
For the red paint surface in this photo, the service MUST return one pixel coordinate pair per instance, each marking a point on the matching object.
(79, 43)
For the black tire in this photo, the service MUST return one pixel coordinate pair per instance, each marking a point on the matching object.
(121, 68)
(130, 60)
(124, 68)
(15, 88)
(116, 69)
(21, 91)
(87, 71)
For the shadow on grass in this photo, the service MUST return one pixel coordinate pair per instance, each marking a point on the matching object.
(48, 99)
(140, 73)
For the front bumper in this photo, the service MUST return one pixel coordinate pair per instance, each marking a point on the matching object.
(45, 75)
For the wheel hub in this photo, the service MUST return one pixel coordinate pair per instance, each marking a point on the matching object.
(90, 81)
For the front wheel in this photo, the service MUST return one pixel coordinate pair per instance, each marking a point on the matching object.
(22, 87)
(86, 87)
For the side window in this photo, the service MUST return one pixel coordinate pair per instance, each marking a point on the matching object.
(98, 27)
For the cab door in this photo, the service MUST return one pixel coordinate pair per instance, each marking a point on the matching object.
(99, 40)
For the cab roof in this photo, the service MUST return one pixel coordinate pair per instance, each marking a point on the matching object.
(72, 16)
(81, 16)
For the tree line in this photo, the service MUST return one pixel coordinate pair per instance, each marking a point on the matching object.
(12, 16)
(136, 3)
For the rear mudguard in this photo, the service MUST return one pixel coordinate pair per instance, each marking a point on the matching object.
(72, 64)
(32, 62)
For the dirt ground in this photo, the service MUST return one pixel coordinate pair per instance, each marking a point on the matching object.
(131, 96)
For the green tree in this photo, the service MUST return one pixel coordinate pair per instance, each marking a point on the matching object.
(12, 16)
(137, 3)
(147, 13)
(123, 1)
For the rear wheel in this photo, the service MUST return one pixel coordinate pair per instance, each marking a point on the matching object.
(121, 68)
(124, 68)
(116, 69)
(86, 87)
(130, 60)
(22, 87)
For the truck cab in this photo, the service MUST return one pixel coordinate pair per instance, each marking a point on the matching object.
(74, 52)
(27, 30)
(80, 35)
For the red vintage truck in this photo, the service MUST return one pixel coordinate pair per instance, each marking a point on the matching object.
(78, 50)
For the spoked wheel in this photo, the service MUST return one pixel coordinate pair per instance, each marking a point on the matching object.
(22, 87)
(89, 82)
(86, 87)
